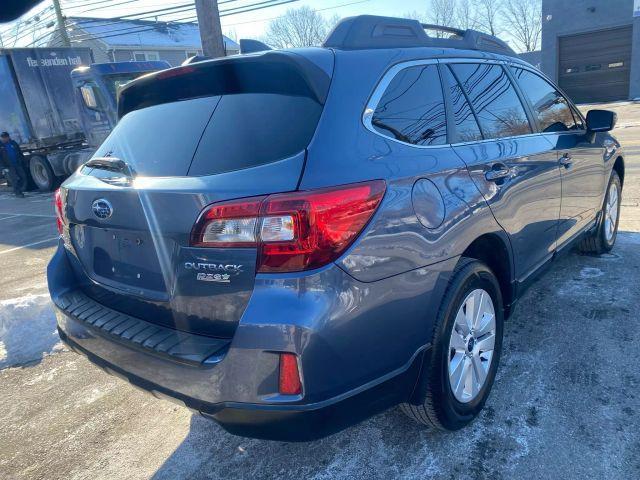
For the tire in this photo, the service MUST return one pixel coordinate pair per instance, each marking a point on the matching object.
(42, 174)
(442, 409)
(604, 238)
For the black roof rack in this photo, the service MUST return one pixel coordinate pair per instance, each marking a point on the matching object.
(370, 31)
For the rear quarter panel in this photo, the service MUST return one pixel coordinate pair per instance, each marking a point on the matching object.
(344, 151)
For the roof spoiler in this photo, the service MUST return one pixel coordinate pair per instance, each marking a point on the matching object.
(370, 31)
(248, 45)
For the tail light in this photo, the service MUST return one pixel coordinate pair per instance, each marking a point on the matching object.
(57, 202)
(289, 382)
(292, 231)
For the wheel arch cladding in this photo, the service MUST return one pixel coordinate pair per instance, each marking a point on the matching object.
(618, 166)
(494, 252)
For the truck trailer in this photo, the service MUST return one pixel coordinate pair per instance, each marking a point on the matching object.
(59, 106)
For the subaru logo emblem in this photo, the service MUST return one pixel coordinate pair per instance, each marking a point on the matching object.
(102, 208)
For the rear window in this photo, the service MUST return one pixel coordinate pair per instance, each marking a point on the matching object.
(251, 129)
(218, 116)
(159, 141)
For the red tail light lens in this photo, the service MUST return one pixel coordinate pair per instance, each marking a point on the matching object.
(323, 223)
(292, 231)
(289, 379)
(57, 202)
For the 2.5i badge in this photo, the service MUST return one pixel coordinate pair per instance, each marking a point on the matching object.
(214, 277)
(214, 272)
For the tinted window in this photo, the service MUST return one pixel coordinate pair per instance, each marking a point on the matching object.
(466, 127)
(160, 140)
(214, 117)
(412, 108)
(494, 100)
(549, 106)
(252, 129)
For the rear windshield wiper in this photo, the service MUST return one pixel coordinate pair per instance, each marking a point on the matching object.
(111, 164)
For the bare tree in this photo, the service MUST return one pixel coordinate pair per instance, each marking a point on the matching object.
(524, 19)
(466, 16)
(488, 15)
(442, 12)
(299, 27)
(415, 15)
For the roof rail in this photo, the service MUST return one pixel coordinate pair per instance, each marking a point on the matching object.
(370, 31)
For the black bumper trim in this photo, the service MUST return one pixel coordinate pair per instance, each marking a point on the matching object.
(287, 423)
(139, 334)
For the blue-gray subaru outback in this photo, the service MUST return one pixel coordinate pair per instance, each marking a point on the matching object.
(291, 241)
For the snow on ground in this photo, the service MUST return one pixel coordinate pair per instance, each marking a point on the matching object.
(27, 330)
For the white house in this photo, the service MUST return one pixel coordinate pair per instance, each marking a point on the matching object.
(118, 40)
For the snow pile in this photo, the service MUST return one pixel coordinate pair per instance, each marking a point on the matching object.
(27, 330)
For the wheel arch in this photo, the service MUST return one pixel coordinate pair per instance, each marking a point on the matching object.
(618, 166)
(495, 251)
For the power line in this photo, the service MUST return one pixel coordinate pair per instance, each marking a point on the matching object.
(44, 21)
(281, 16)
(137, 28)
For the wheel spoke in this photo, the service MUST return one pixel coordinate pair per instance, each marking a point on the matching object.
(486, 342)
(457, 341)
(457, 379)
(478, 367)
(469, 382)
(461, 325)
(487, 324)
(481, 310)
(471, 310)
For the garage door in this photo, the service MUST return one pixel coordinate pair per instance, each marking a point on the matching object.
(594, 67)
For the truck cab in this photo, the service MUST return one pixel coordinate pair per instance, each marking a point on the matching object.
(96, 92)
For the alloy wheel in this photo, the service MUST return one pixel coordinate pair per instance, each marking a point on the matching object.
(471, 345)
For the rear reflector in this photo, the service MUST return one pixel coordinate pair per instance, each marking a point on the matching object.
(289, 379)
(292, 231)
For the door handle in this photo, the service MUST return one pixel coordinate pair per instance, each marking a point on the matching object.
(566, 161)
(499, 171)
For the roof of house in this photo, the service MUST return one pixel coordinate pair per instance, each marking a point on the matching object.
(117, 32)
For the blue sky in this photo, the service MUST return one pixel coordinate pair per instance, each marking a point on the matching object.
(244, 25)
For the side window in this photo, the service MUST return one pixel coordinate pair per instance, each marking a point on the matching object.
(466, 127)
(412, 108)
(549, 106)
(494, 99)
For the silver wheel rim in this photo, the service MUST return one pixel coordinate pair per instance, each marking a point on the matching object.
(471, 345)
(611, 213)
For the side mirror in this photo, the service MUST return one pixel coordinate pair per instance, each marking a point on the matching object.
(601, 120)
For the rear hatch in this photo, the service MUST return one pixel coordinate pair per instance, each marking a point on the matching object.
(189, 137)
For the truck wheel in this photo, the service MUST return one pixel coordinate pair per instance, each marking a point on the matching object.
(42, 174)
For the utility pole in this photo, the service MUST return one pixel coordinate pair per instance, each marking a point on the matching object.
(210, 29)
(61, 26)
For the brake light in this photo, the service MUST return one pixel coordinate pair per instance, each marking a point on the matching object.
(289, 382)
(59, 208)
(292, 231)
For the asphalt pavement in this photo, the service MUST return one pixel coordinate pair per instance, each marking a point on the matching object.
(566, 403)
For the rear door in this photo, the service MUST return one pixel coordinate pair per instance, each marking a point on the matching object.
(580, 161)
(129, 227)
(515, 169)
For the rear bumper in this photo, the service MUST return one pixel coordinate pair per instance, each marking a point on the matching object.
(360, 347)
(291, 423)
